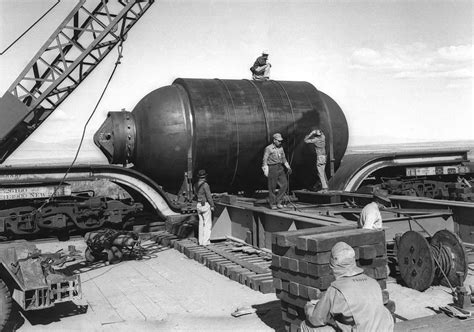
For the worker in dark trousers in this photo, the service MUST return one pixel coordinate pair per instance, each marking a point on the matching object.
(261, 68)
(274, 161)
(317, 138)
(205, 206)
(353, 302)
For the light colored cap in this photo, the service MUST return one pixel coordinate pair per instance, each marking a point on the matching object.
(343, 262)
(264, 52)
(278, 137)
(381, 195)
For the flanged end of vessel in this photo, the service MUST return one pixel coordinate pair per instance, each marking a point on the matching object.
(116, 137)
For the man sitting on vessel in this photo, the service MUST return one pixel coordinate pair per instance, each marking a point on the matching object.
(261, 68)
(353, 302)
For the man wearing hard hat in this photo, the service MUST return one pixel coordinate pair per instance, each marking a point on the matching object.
(274, 160)
(261, 68)
(353, 302)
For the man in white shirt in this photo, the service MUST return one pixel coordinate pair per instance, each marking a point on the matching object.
(370, 217)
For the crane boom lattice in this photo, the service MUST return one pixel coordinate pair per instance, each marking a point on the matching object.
(78, 45)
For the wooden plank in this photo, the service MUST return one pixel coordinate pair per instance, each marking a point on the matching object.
(353, 237)
(98, 303)
(289, 238)
(318, 257)
(122, 305)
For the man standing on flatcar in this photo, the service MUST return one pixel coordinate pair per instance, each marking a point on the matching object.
(205, 206)
(317, 138)
(274, 160)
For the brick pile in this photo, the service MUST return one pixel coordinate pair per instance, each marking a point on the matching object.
(461, 192)
(300, 264)
(244, 264)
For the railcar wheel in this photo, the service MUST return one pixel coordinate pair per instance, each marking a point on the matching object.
(5, 304)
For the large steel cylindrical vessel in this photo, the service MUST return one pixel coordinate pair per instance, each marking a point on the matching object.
(223, 126)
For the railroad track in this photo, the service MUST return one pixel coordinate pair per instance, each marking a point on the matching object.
(243, 263)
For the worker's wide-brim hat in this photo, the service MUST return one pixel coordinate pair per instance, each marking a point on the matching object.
(342, 262)
(381, 195)
(278, 137)
(202, 174)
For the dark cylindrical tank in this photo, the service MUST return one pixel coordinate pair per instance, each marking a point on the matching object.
(223, 126)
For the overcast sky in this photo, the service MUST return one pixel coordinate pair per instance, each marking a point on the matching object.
(402, 71)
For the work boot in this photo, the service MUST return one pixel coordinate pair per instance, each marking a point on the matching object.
(279, 206)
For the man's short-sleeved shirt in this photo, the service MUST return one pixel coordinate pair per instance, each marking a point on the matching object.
(273, 155)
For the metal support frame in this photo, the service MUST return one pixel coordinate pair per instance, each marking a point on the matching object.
(72, 52)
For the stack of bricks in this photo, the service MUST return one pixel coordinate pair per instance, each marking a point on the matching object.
(461, 192)
(300, 264)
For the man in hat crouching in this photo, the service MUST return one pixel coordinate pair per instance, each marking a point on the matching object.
(353, 302)
(261, 68)
(370, 217)
(273, 161)
(205, 206)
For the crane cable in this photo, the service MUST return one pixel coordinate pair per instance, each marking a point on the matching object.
(117, 62)
(31, 27)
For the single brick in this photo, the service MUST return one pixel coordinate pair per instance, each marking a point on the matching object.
(375, 262)
(293, 264)
(284, 261)
(292, 311)
(291, 299)
(303, 267)
(276, 260)
(294, 288)
(314, 293)
(303, 291)
(376, 272)
(266, 286)
(277, 283)
(317, 270)
(367, 252)
(285, 285)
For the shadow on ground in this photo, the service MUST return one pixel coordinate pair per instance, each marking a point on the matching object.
(44, 316)
(270, 314)
(55, 314)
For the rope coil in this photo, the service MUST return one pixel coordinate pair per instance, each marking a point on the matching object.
(442, 256)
